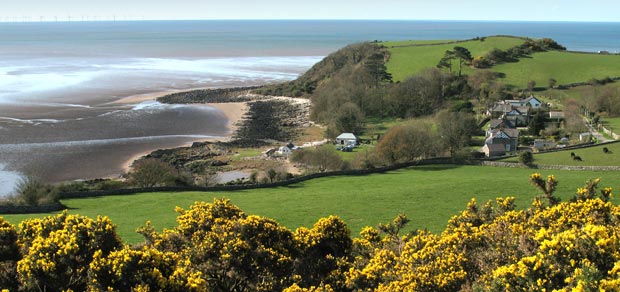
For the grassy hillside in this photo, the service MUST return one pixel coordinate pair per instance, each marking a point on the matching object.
(409, 60)
(429, 196)
(565, 67)
(410, 57)
(592, 156)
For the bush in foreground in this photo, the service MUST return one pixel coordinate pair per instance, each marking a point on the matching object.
(552, 245)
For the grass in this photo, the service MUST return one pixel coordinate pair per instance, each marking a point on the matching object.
(349, 156)
(414, 42)
(429, 196)
(246, 152)
(407, 61)
(565, 67)
(612, 124)
(592, 156)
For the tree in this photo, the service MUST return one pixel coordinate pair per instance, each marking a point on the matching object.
(151, 172)
(322, 158)
(418, 95)
(375, 65)
(531, 85)
(32, 191)
(552, 82)
(536, 123)
(349, 119)
(455, 129)
(271, 174)
(408, 142)
(526, 157)
(464, 56)
(446, 61)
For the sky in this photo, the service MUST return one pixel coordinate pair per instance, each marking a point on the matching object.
(519, 10)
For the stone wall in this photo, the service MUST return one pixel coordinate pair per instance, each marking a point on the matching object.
(28, 209)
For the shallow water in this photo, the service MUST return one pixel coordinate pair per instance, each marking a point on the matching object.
(59, 81)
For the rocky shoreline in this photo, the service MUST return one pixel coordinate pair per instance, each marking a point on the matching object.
(214, 95)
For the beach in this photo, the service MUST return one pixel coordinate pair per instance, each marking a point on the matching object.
(233, 111)
(102, 140)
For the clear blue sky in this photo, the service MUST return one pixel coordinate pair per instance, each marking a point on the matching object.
(534, 10)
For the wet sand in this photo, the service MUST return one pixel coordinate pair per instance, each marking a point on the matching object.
(64, 144)
(233, 111)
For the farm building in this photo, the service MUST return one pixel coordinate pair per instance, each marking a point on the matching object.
(493, 150)
(346, 139)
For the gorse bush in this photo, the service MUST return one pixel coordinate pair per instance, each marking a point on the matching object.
(550, 246)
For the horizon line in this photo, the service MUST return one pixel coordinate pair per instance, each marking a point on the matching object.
(112, 19)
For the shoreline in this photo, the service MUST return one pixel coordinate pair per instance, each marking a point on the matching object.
(233, 111)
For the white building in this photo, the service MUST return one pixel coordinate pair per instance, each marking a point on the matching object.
(346, 139)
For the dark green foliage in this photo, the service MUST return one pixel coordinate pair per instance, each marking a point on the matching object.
(326, 69)
(537, 123)
(463, 55)
(375, 65)
(348, 119)
(152, 172)
(526, 157)
(419, 95)
(321, 159)
(455, 129)
(33, 191)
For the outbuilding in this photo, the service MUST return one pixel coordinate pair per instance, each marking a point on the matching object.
(493, 150)
(346, 139)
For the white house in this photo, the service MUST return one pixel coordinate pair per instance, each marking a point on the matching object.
(542, 144)
(346, 139)
(287, 149)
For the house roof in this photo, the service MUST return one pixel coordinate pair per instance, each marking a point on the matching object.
(523, 109)
(504, 108)
(498, 123)
(532, 98)
(512, 133)
(346, 136)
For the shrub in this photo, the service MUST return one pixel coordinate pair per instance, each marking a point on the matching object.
(32, 191)
(526, 157)
(151, 172)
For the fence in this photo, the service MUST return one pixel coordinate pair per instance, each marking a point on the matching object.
(610, 133)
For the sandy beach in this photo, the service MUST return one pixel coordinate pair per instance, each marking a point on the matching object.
(233, 111)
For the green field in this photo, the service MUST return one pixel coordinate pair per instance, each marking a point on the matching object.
(407, 61)
(612, 124)
(414, 42)
(429, 196)
(592, 156)
(564, 67)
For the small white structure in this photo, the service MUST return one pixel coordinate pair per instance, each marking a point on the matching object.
(556, 115)
(585, 136)
(287, 149)
(346, 139)
(542, 144)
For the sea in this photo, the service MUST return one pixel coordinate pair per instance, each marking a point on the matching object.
(63, 85)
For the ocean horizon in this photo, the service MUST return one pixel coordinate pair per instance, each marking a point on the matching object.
(59, 81)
